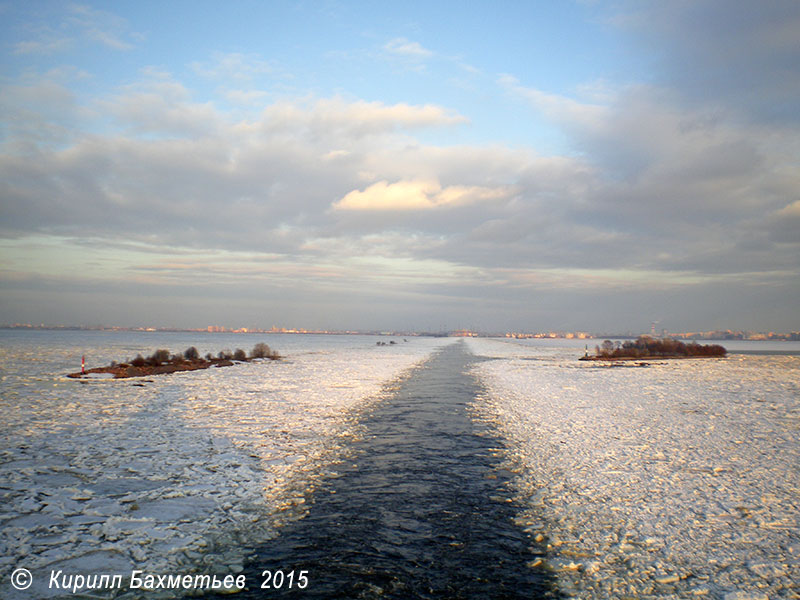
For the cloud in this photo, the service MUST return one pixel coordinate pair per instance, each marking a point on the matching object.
(791, 211)
(657, 194)
(356, 118)
(78, 23)
(160, 105)
(99, 26)
(181, 174)
(154, 112)
(415, 195)
(567, 112)
(44, 45)
(38, 113)
(407, 49)
(247, 97)
(741, 55)
(662, 165)
(233, 67)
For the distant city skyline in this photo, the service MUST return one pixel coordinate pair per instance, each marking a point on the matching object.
(416, 166)
(547, 334)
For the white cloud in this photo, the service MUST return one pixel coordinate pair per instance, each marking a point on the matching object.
(78, 23)
(163, 106)
(336, 155)
(247, 97)
(100, 26)
(184, 173)
(567, 112)
(234, 67)
(659, 194)
(402, 47)
(337, 116)
(42, 46)
(416, 195)
(792, 210)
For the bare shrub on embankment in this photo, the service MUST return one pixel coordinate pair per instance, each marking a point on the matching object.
(262, 350)
(647, 347)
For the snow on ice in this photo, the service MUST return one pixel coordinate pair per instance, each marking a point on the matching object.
(673, 481)
(180, 473)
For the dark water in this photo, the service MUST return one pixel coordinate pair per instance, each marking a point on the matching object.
(418, 510)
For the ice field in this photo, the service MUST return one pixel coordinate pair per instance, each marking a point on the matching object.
(180, 471)
(680, 479)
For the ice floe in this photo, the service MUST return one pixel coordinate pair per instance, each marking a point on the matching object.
(680, 480)
(181, 473)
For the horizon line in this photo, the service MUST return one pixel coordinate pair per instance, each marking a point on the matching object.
(714, 334)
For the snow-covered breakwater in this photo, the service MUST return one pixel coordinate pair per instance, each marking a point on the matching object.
(177, 474)
(674, 481)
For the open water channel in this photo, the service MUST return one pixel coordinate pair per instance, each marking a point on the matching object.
(420, 508)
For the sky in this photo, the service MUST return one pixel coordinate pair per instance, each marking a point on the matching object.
(496, 166)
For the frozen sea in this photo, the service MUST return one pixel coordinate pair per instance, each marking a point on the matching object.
(680, 479)
(676, 480)
(171, 472)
